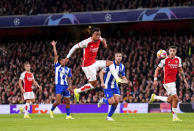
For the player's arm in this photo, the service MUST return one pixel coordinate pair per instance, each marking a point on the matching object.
(20, 85)
(181, 72)
(53, 43)
(82, 44)
(156, 76)
(103, 42)
(36, 84)
(69, 80)
(123, 75)
(101, 74)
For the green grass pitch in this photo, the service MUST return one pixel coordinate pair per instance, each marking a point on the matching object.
(97, 122)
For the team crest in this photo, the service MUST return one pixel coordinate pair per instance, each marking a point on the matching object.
(176, 61)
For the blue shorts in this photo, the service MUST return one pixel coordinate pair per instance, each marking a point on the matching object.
(62, 89)
(110, 92)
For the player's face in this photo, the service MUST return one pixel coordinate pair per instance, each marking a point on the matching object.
(96, 35)
(172, 52)
(62, 62)
(118, 57)
(27, 67)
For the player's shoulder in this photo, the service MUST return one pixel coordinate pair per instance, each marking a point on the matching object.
(67, 68)
(122, 66)
(23, 73)
(177, 57)
(87, 40)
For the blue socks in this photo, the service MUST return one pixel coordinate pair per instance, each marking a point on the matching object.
(68, 111)
(53, 108)
(105, 100)
(112, 110)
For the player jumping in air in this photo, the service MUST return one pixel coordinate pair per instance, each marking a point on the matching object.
(28, 80)
(62, 74)
(90, 65)
(111, 88)
(171, 65)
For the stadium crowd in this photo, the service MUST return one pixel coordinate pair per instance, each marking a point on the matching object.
(33, 7)
(139, 57)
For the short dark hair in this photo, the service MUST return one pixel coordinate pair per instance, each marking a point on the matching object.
(96, 29)
(118, 53)
(61, 57)
(173, 47)
(26, 63)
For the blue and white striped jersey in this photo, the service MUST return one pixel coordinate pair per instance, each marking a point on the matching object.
(61, 74)
(109, 79)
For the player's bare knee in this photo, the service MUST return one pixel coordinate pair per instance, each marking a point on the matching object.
(94, 83)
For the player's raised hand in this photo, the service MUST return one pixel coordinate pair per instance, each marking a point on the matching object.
(102, 85)
(155, 84)
(53, 43)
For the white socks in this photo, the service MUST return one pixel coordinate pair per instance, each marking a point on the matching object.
(174, 110)
(85, 88)
(162, 98)
(113, 71)
(26, 108)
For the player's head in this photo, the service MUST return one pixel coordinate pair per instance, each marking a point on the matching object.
(27, 66)
(62, 60)
(118, 57)
(96, 34)
(172, 51)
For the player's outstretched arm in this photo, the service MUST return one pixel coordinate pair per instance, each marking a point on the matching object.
(101, 74)
(181, 72)
(156, 76)
(20, 85)
(53, 43)
(36, 84)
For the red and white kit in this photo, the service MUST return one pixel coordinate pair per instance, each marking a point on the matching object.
(90, 65)
(170, 68)
(27, 78)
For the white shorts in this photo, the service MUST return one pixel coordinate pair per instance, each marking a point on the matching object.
(29, 95)
(90, 71)
(170, 88)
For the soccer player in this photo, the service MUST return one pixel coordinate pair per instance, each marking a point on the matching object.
(62, 75)
(89, 65)
(111, 88)
(171, 65)
(28, 80)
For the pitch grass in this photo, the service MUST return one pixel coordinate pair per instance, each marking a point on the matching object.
(97, 122)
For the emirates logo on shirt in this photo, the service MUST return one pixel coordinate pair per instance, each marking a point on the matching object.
(29, 78)
(94, 49)
(173, 65)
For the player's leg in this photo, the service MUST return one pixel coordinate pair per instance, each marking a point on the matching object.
(114, 72)
(116, 96)
(28, 97)
(26, 108)
(174, 107)
(108, 99)
(162, 98)
(90, 73)
(58, 99)
(66, 95)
